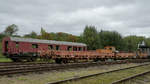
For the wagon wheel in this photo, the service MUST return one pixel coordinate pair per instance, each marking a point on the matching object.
(33, 59)
(65, 61)
(96, 59)
(58, 60)
(15, 60)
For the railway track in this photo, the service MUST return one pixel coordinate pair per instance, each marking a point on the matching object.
(21, 63)
(17, 68)
(131, 78)
(93, 75)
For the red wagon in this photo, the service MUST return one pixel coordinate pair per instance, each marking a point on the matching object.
(27, 48)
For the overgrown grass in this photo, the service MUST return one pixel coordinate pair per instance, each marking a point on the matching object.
(59, 75)
(111, 77)
(4, 59)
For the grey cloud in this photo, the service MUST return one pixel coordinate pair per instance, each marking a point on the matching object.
(125, 16)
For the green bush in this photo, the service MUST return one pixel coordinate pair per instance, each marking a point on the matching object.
(1, 49)
(2, 57)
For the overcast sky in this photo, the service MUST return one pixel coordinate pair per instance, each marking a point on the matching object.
(128, 17)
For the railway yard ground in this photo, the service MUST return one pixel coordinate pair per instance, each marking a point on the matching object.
(57, 75)
(144, 79)
(111, 77)
(4, 59)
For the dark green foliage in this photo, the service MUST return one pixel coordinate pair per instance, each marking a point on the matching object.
(132, 42)
(93, 38)
(90, 37)
(1, 50)
(111, 38)
(147, 41)
(60, 36)
(31, 35)
(2, 36)
(11, 30)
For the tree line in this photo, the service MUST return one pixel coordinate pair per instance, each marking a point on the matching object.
(91, 36)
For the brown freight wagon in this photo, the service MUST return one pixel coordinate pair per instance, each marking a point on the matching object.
(67, 56)
(19, 49)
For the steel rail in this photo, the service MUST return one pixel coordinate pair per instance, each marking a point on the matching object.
(101, 73)
(23, 69)
(131, 77)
